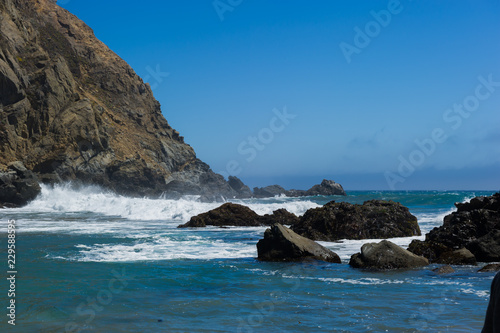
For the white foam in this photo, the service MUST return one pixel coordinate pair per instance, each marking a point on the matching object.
(165, 248)
(347, 247)
(65, 199)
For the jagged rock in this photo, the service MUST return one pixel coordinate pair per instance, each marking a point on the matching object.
(373, 219)
(18, 185)
(445, 269)
(239, 187)
(268, 191)
(386, 255)
(72, 110)
(282, 244)
(327, 187)
(230, 214)
(457, 257)
(475, 226)
(490, 268)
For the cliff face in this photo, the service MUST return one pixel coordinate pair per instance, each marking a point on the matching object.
(71, 109)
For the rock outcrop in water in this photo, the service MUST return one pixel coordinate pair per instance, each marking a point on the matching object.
(386, 255)
(230, 214)
(326, 188)
(282, 244)
(475, 226)
(71, 109)
(373, 219)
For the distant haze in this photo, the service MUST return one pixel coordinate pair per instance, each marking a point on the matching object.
(373, 94)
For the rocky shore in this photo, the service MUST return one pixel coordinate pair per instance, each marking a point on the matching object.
(73, 110)
(470, 234)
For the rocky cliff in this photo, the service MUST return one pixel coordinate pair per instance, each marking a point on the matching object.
(71, 109)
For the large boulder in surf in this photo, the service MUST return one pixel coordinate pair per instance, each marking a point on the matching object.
(18, 185)
(230, 214)
(474, 226)
(386, 255)
(282, 244)
(373, 219)
(242, 190)
(326, 188)
(268, 191)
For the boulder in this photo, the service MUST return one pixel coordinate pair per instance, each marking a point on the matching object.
(445, 269)
(281, 216)
(458, 257)
(490, 268)
(386, 255)
(230, 214)
(474, 226)
(282, 244)
(18, 185)
(373, 219)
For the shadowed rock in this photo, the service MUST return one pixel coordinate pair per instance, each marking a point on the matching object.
(373, 219)
(457, 257)
(230, 214)
(474, 226)
(386, 255)
(18, 185)
(282, 244)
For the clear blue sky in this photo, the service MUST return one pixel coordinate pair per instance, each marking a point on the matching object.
(364, 80)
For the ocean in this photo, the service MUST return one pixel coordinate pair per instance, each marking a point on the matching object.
(91, 261)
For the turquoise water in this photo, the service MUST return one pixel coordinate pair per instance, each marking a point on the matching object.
(91, 261)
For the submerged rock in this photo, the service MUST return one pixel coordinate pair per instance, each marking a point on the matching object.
(445, 269)
(282, 244)
(230, 214)
(490, 268)
(386, 255)
(373, 219)
(18, 185)
(474, 226)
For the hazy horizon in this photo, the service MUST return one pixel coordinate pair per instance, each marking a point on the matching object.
(380, 95)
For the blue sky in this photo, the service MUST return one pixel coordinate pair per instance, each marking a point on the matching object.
(373, 94)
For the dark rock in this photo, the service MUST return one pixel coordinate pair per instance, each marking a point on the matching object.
(446, 269)
(73, 110)
(18, 186)
(475, 226)
(327, 187)
(374, 219)
(386, 255)
(282, 244)
(492, 320)
(457, 257)
(490, 268)
(228, 214)
(487, 248)
(239, 187)
(268, 191)
(281, 216)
